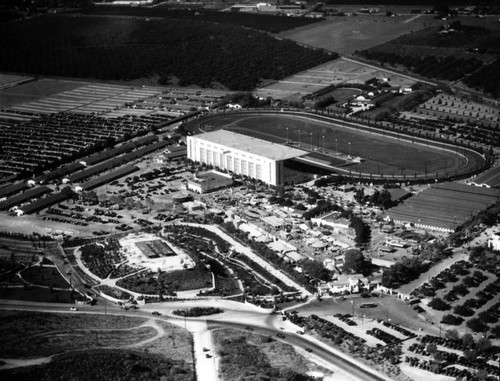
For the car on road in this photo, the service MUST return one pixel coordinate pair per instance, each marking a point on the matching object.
(156, 313)
(280, 335)
(73, 309)
(300, 332)
(309, 350)
(205, 349)
(208, 356)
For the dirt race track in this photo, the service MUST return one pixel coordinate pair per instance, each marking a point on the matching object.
(381, 154)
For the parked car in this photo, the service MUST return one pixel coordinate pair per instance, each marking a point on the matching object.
(73, 309)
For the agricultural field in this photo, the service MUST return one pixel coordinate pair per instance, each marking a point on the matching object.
(263, 22)
(346, 35)
(381, 154)
(98, 47)
(341, 71)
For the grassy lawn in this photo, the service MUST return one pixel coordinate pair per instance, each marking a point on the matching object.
(44, 276)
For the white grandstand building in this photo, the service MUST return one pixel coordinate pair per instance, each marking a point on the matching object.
(240, 154)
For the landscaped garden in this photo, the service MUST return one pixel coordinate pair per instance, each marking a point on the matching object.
(103, 257)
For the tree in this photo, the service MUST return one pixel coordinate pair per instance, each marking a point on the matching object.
(452, 320)
(477, 325)
(362, 230)
(315, 269)
(355, 263)
(483, 345)
(468, 340)
(439, 304)
(69, 193)
(452, 334)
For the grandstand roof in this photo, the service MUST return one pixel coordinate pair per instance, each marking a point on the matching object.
(256, 146)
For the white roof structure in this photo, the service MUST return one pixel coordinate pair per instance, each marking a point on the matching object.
(264, 148)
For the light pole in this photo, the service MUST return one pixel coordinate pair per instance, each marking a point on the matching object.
(299, 137)
(286, 135)
(312, 148)
(323, 143)
(349, 149)
(336, 147)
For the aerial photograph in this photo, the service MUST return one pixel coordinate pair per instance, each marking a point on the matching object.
(212, 190)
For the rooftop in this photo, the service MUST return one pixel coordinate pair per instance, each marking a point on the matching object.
(256, 146)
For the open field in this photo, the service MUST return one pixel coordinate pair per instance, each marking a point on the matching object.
(381, 154)
(346, 35)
